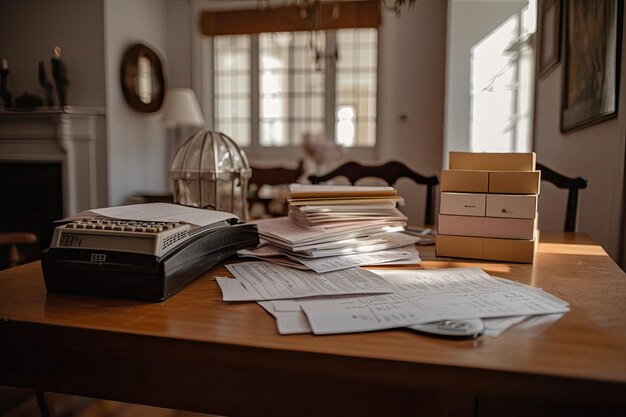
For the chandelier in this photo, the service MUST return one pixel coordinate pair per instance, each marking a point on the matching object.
(311, 12)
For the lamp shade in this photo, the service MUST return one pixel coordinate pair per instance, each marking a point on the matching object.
(182, 109)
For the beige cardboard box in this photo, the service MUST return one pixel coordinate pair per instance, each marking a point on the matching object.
(487, 227)
(510, 250)
(459, 246)
(493, 161)
(461, 225)
(524, 229)
(514, 182)
(463, 204)
(512, 206)
(465, 181)
(502, 182)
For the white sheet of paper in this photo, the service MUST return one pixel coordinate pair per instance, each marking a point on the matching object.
(279, 261)
(536, 324)
(399, 256)
(160, 212)
(495, 326)
(385, 206)
(382, 241)
(266, 281)
(315, 188)
(336, 263)
(423, 296)
(287, 305)
(283, 230)
(287, 322)
(233, 289)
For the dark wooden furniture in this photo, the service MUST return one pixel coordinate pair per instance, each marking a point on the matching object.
(274, 176)
(195, 352)
(12, 239)
(573, 185)
(390, 172)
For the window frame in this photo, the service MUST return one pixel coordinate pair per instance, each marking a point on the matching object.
(255, 151)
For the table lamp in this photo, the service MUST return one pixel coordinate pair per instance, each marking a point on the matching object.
(182, 110)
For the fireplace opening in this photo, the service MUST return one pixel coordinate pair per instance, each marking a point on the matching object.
(32, 199)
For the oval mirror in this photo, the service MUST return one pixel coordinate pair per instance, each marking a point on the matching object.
(142, 78)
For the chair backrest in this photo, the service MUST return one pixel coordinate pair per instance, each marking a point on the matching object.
(390, 172)
(12, 239)
(573, 185)
(271, 176)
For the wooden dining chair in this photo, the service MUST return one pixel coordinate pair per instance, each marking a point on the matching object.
(573, 185)
(12, 240)
(390, 172)
(273, 176)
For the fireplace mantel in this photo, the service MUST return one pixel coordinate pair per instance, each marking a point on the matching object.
(71, 136)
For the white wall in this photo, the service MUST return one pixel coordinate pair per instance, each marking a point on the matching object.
(463, 34)
(30, 29)
(411, 94)
(136, 141)
(597, 152)
(178, 43)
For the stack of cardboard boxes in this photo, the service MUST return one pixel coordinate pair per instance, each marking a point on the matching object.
(488, 207)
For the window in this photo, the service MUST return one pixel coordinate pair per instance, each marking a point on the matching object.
(273, 89)
(232, 87)
(291, 89)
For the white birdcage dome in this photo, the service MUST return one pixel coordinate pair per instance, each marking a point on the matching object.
(211, 171)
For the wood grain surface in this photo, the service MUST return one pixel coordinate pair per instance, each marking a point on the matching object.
(195, 352)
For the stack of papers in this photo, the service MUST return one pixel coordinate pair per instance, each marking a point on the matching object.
(358, 300)
(335, 207)
(330, 228)
(284, 242)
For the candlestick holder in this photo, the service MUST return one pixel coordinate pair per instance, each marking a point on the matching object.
(59, 73)
(7, 98)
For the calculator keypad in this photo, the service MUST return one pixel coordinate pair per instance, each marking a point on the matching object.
(116, 225)
(153, 238)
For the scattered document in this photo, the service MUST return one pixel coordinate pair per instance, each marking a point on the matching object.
(408, 254)
(424, 296)
(287, 322)
(266, 281)
(427, 236)
(494, 327)
(404, 255)
(157, 212)
(290, 319)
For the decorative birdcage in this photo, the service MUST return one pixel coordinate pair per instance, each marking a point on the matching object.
(211, 171)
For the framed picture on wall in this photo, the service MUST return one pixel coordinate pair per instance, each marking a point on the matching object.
(593, 38)
(549, 35)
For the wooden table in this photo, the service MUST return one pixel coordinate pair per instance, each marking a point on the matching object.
(196, 352)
